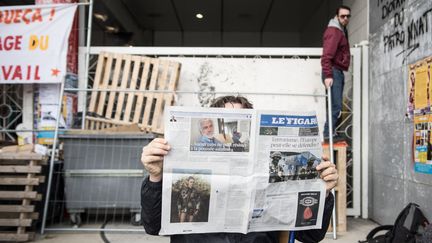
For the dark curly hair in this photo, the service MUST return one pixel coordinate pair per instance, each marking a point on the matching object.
(342, 7)
(221, 101)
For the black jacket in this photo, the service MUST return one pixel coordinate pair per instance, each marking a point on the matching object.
(151, 203)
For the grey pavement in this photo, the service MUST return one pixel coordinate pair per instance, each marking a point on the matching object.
(357, 229)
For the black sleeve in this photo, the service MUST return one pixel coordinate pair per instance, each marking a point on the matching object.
(316, 235)
(151, 206)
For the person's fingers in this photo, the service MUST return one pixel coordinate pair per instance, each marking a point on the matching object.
(328, 171)
(160, 140)
(154, 168)
(157, 141)
(152, 156)
(156, 150)
(330, 177)
(151, 159)
(330, 185)
(328, 82)
(324, 165)
(157, 147)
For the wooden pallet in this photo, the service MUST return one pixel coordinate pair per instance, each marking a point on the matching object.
(19, 170)
(136, 73)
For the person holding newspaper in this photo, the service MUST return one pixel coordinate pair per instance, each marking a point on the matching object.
(151, 194)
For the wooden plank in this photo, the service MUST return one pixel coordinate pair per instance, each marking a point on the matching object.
(20, 169)
(17, 215)
(149, 96)
(17, 208)
(15, 222)
(18, 181)
(341, 193)
(162, 85)
(104, 85)
(41, 178)
(98, 76)
(32, 215)
(17, 148)
(17, 195)
(169, 98)
(14, 237)
(42, 162)
(140, 95)
(25, 201)
(114, 84)
(38, 197)
(132, 86)
(340, 197)
(105, 121)
(175, 75)
(21, 156)
(123, 85)
(283, 236)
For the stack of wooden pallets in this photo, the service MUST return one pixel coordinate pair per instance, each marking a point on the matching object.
(139, 88)
(18, 181)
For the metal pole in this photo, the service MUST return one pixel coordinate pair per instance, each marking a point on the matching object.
(291, 237)
(330, 129)
(51, 165)
(87, 60)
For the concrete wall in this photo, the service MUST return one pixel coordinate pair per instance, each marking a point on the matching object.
(358, 27)
(393, 180)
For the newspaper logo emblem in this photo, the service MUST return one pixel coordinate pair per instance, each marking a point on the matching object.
(308, 201)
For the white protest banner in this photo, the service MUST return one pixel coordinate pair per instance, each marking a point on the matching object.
(33, 42)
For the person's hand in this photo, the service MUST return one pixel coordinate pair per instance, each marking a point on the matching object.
(152, 158)
(328, 82)
(328, 173)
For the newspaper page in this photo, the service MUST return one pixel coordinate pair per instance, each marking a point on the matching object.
(288, 194)
(207, 175)
(218, 176)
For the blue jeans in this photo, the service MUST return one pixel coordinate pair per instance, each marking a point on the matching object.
(337, 97)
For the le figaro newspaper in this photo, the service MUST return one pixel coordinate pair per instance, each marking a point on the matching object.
(241, 170)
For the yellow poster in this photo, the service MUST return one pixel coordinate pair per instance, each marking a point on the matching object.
(429, 72)
(421, 94)
(411, 85)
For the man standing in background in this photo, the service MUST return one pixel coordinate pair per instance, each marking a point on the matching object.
(335, 59)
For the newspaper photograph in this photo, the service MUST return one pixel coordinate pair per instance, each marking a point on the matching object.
(288, 194)
(190, 193)
(240, 170)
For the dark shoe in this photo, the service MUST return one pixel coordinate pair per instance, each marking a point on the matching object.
(335, 139)
(338, 139)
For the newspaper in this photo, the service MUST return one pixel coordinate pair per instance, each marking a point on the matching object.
(241, 170)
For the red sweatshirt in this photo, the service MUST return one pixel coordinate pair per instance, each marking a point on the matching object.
(336, 51)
